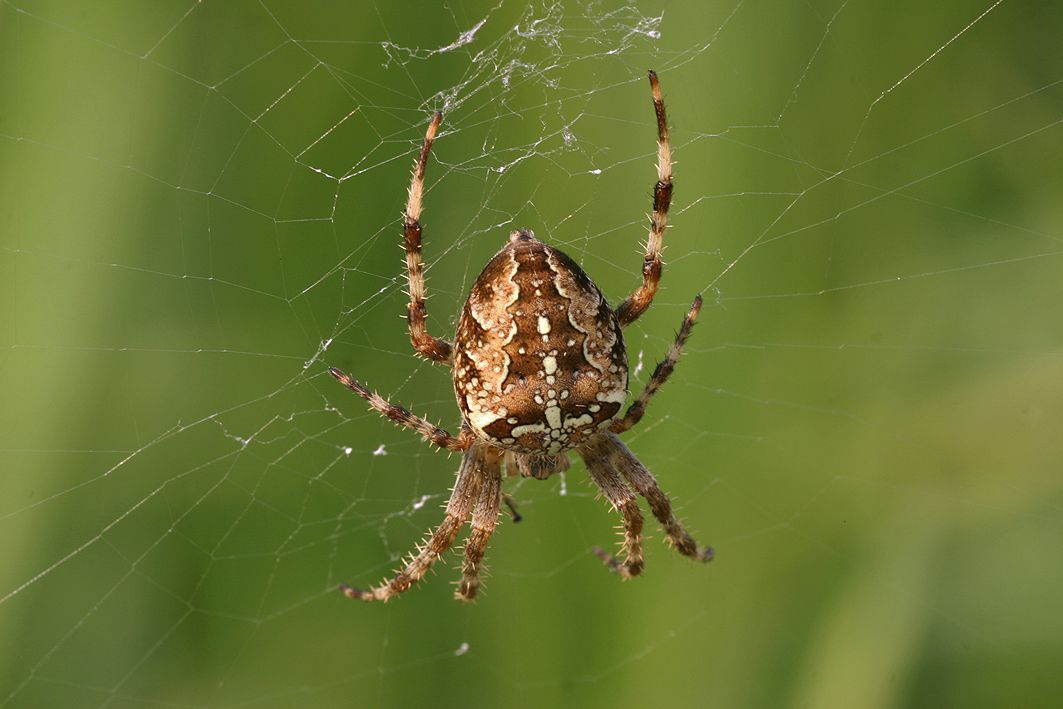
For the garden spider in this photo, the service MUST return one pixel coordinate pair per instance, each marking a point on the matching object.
(539, 369)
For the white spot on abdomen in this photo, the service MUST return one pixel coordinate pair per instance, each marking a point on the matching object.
(578, 421)
(519, 431)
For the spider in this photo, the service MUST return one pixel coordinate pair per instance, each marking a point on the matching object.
(539, 369)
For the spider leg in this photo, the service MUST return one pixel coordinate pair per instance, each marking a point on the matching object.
(636, 303)
(611, 448)
(623, 499)
(431, 432)
(660, 374)
(433, 348)
(484, 519)
(470, 476)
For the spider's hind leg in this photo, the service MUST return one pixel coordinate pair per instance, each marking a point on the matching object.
(636, 303)
(434, 348)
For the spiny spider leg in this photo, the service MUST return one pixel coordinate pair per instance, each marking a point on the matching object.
(643, 481)
(433, 348)
(484, 519)
(623, 499)
(637, 302)
(470, 477)
(431, 432)
(661, 373)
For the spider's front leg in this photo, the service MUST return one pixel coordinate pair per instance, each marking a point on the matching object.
(636, 303)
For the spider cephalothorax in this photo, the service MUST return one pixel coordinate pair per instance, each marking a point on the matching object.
(539, 369)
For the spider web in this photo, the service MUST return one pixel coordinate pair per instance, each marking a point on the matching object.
(199, 204)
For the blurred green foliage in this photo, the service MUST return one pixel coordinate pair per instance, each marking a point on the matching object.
(198, 209)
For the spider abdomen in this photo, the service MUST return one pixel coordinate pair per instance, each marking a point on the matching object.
(539, 358)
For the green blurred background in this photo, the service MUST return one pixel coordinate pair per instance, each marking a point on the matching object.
(199, 213)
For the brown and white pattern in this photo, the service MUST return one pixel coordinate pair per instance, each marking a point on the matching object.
(539, 369)
(539, 360)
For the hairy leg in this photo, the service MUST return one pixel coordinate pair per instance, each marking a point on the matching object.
(470, 477)
(431, 432)
(637, 302)
(484, 519)
(661, 373)
(596, 455)
(643, 481)
(433, 348)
